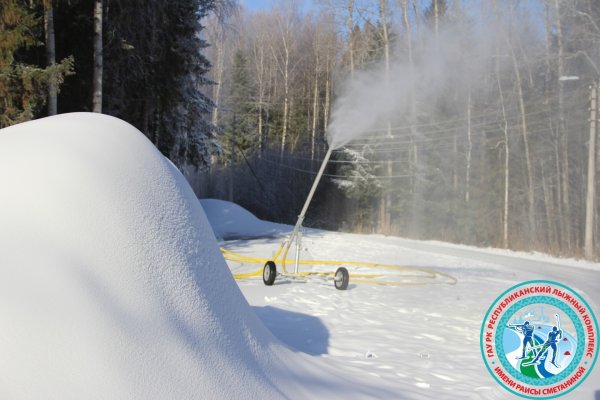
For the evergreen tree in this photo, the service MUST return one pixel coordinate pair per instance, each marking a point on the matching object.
(154, 72)
(239, 124)
(23, 85)
(360, 184)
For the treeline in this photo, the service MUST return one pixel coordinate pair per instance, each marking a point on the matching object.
(138, 60)
(493, 140)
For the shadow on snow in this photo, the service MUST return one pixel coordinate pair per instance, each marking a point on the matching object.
(301, 332)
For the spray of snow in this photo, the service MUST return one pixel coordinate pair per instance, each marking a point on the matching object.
(374, 97)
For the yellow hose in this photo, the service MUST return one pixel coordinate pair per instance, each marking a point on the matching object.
(424, 273)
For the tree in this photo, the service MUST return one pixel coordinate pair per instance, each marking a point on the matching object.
(23, 85)
(591, 176)
(154, 71)
(283, 50)
(98, 57)
(360, 184)
(50, 54)
(434, 13)
(240, 127)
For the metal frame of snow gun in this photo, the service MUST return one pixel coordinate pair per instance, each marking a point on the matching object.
(341, 276)
(410, 275)
(270, 273)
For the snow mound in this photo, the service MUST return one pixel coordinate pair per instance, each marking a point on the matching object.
(112, 285)
(231, 221)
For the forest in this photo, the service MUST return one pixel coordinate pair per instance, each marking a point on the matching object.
(466, 121)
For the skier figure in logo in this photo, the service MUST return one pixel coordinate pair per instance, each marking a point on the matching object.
(551, 341)
(527, 330)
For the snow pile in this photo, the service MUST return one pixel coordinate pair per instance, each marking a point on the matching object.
(111, 281)
(231, 221)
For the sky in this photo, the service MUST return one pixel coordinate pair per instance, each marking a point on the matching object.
(257, 5)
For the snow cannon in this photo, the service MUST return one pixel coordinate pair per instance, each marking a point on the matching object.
(341, 278)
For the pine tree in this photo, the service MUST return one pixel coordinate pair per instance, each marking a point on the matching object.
(154, 71)
(360, 184)
(23, 86)
(239, 124)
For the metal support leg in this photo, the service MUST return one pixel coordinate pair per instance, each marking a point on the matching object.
(296, 233)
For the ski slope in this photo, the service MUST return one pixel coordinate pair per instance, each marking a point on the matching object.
(417, 341)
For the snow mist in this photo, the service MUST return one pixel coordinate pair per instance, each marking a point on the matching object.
(371, 100)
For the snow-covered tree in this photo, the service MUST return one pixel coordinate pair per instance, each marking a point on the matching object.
(360, 183)
(154, 71)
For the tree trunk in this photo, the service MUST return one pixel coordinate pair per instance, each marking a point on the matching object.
(327, 104)
(230, 169)
(282, 55)
(469, 149)
(436, 18)
(525, 134)
(350, 24)
(562, 131)
(550, 233)
(261, 95)
(554, 209)
(591, 176)
(218, 78)
(386, 204)
(413, 151)
(315, 112)
(259, 64)
(506, 175)
(505, 208)
(286, 100)
(98, 68)
(50, 56)
(455, 157)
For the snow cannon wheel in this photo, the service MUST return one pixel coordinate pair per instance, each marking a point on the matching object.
(269, 273)
(341, 278)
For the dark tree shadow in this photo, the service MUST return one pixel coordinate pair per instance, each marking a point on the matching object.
(301, 332)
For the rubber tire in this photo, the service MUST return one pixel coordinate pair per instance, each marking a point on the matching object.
(341, 278)
(269, 273)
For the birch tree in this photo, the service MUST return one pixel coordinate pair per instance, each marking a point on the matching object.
(283, 50)
(386, 200)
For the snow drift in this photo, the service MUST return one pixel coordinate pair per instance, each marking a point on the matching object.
(111, 282)
(231, 221)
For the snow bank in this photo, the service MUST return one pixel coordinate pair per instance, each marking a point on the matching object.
(231, 221)
(111, 282)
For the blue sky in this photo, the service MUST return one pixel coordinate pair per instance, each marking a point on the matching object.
(265, 4)
(257, 4)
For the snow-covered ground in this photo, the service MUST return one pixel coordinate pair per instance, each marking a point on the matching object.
(416, 341)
